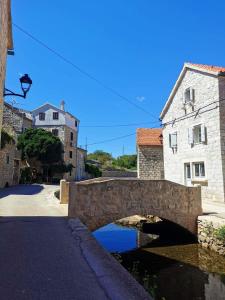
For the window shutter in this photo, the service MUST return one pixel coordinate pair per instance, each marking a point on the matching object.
(190, 136)
(203, 135)
(170, 140)
(192, 95)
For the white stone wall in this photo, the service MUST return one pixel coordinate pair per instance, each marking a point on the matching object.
(206, 91)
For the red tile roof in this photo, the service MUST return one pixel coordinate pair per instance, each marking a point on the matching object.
(149, 137)
(208, 67)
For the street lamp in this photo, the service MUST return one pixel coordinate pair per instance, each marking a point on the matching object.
(25, 83)
(161, 138)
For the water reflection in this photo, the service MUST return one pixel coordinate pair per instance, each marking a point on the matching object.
(167, 271)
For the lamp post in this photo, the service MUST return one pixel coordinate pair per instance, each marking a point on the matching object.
(25, 83)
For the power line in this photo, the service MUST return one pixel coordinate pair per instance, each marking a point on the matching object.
(117, 125)
(82, 71)
(113, 139)
(194, 113)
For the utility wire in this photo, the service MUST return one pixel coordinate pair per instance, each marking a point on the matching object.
(117, 125)
(194, 113)
(114, 139)
(82, 71)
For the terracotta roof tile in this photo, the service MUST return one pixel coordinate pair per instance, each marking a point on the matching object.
(149, 136)
(209, 68)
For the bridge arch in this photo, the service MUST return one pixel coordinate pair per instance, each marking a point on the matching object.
(98, 202)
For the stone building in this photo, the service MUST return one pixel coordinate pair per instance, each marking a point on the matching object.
(61, 124)
(81, 160)
(14, 123)
(150, 153)
(6, 44)
(193, 120)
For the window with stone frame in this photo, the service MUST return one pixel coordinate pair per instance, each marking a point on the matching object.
(197, 134)
(189, 95)
(41, 116)
(7, 159)
(173, 140)
(199, 170)
(71, 154)
(71, 136)
(55, 132)
(55, 115)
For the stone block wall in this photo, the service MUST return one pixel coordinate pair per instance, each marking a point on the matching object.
(119, 173)
(5, 40)
(207, 227)
(9, 165)
(150, 162)
(101, 201)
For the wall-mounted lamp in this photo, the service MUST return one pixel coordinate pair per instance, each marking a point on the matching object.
(25, 83)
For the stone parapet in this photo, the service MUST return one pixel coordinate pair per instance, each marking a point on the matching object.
(102, 201)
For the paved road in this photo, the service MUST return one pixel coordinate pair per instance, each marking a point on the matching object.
(31, 200)
(45, 256)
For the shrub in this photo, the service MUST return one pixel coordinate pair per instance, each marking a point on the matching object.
(220, 233)
(93, 170)
(6, 139)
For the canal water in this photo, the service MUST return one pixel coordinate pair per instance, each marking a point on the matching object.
(169, 268)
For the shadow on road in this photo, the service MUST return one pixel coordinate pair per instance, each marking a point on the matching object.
(28, 189)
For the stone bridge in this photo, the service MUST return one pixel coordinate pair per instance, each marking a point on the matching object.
(98, 202)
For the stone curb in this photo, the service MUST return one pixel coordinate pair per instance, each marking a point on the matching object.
(117, 283)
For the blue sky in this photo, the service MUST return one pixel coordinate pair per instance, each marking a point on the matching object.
(136, 47)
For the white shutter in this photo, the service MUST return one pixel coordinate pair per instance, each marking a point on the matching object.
(190, 136)
(192, 95)
(203, 135)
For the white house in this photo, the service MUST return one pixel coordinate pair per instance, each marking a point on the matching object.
(61, 124)
(193, 120)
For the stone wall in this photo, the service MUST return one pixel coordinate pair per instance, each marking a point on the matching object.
(207, 227)
(102, 201)
(5, 44)
(9, 165)
(118, 173)
(206, 88)
(150, 162)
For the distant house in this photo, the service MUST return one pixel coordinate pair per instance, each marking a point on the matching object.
(81, 160)
(61, 124)
(150, 153)
(193, 121)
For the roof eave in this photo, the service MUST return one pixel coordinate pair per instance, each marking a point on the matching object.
(185, 67)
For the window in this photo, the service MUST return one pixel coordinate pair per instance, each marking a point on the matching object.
(7, 159)
(55, 115)
(76, 123)
(173, 140)
(71, 136)
(55, 132)
(71, 154)
(189, 95)
(197, 134)
(41, 116)
(199, 169)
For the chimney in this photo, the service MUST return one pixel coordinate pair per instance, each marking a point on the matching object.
(62, 105)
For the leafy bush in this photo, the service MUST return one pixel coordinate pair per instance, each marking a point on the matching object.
(6, 139)
(93, 170)
(26, 175)
(220, 233)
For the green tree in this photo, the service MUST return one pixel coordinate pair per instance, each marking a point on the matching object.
(126, 161)
(41, 145)
(102, 157)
